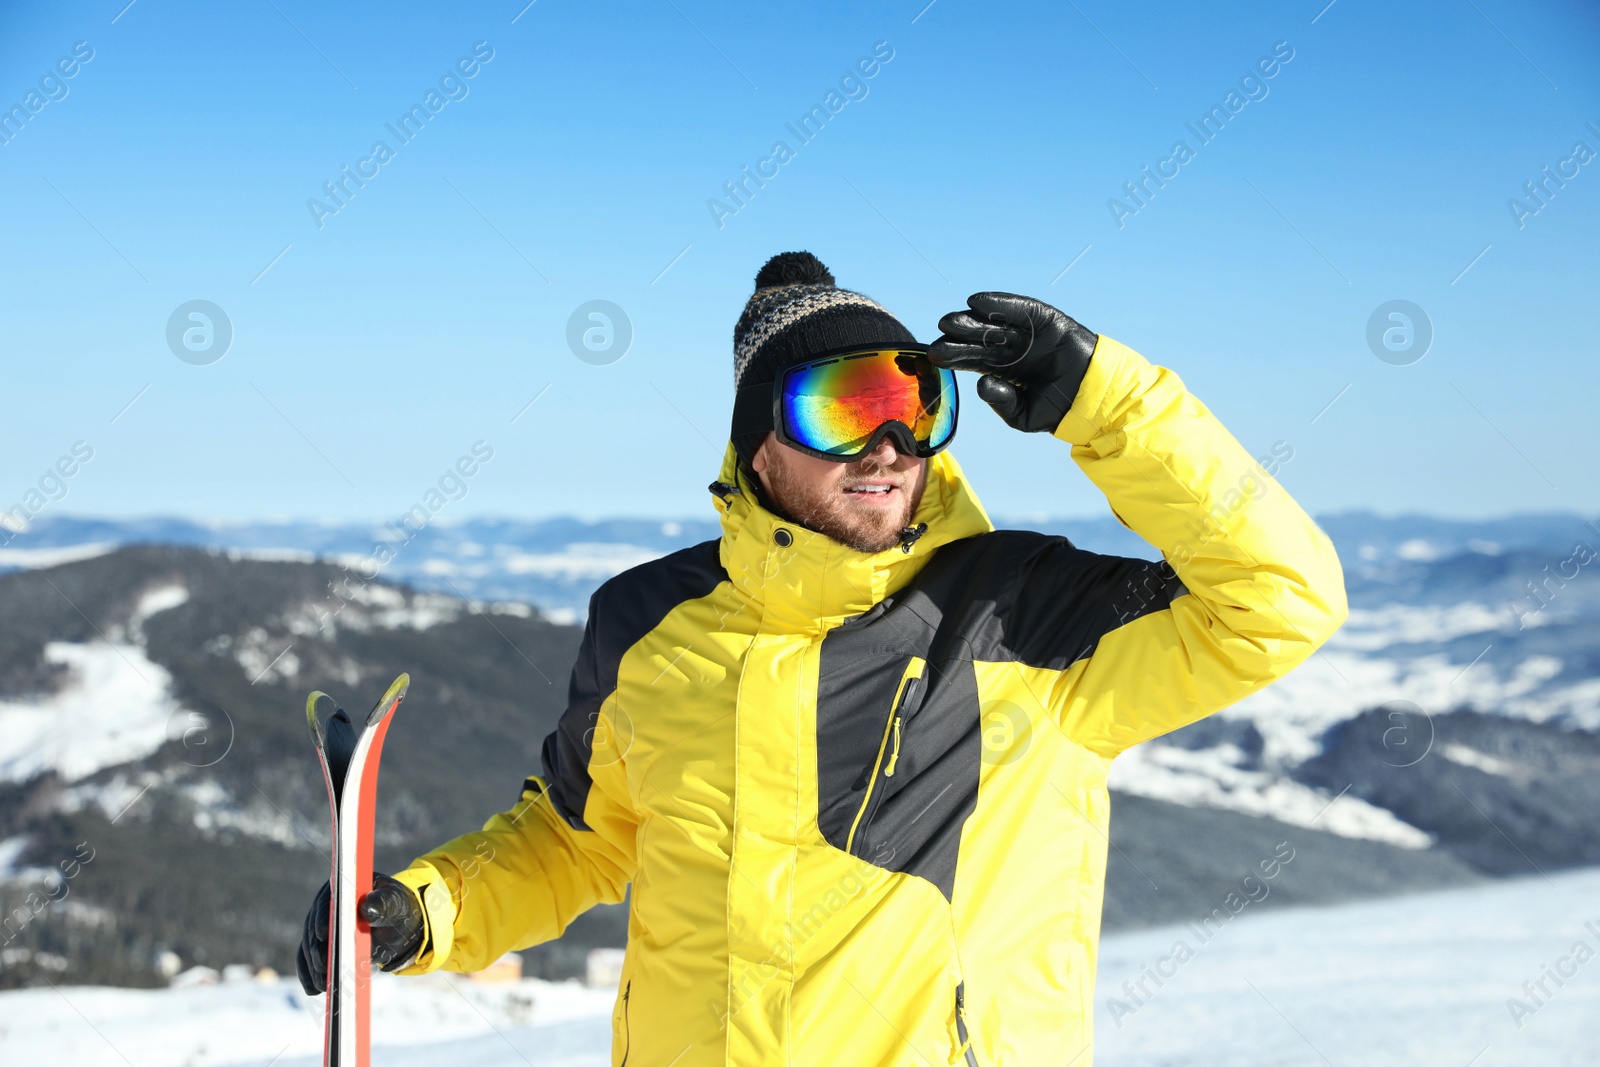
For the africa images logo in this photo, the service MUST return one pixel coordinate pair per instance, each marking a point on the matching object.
(1252, 87)
(452, 86)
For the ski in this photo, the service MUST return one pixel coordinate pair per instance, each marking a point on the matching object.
(349, 753)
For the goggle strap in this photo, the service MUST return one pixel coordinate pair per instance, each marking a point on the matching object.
(752, 409)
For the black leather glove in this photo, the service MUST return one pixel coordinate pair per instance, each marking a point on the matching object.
(1032, 357)
(389, 909)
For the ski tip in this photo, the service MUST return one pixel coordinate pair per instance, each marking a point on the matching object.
(391, 699)
(311, 715)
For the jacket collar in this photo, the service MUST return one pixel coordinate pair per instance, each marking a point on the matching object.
(814, 582)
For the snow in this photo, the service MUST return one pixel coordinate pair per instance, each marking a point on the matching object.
(114, 707)
(115, 704)
(1383, 656)
(158, 599)
(113, 797)
(215, 809)
(1419, 981)
(1416, 981)
(425, 611)
(208, 1023)
(362, 606)
(1335, 685)
(1377, 629)
(263, 656)
(195, 976)
(1211, 778)
(374, 595)
(1350, 674)
(28, 558)
(1418, 549)
(1362, 666)
(580, 559)
(1471, 757)
(153, 602)
(11, 850)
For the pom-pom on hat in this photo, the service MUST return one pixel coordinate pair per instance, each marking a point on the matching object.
(797, 312)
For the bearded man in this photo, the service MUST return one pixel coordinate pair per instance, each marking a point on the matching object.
(851, 756)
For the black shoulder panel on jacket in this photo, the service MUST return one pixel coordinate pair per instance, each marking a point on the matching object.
(898, 765)
(1060, 600)
(621, 612)
(1016, 595)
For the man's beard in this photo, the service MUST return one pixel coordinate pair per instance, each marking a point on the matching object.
(830, 513)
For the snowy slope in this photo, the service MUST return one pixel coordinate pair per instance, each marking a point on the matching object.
(1419, 981)
(250, 1022)
(113, 706)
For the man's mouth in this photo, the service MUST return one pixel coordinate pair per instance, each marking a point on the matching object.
(872, 492)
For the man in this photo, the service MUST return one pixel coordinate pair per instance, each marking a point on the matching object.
(852, 755)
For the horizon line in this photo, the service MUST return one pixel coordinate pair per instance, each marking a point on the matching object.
(457, 523)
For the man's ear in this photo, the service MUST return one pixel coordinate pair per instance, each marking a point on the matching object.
(758, 459)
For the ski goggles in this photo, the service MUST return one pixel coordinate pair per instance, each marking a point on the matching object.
(841, 405)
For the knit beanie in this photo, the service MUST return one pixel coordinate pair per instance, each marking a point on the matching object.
(796, 313)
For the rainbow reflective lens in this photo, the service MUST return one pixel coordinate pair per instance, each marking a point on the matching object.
(836, 406)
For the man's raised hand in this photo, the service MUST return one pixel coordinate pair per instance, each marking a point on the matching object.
(1032, 356)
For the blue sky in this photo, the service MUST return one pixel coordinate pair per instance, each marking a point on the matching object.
(576, 164)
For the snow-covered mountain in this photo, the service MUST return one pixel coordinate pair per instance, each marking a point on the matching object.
(1494, 614)
(1442, 625)
(555, 563)
(149, 706)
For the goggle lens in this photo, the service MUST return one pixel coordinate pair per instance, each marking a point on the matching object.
(835, 406)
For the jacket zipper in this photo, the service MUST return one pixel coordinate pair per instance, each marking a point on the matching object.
(627, 1036)
(910, 682)
(961, 1026)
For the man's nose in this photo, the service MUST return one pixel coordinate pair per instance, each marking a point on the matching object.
(885, 455)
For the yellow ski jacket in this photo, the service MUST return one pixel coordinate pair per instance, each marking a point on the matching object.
(861, 798)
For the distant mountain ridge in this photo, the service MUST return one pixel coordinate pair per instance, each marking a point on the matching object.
(556, 563)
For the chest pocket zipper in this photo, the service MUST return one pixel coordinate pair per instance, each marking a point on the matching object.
(962, 1034)
(888, 747)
